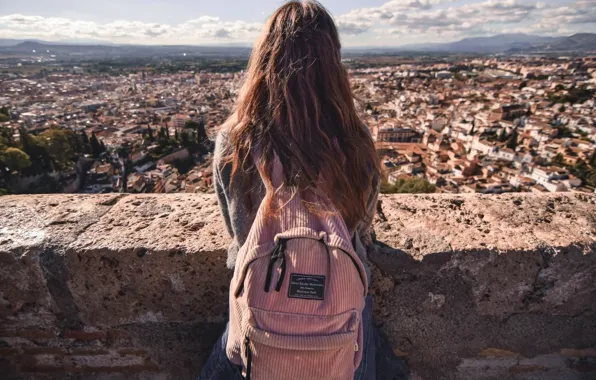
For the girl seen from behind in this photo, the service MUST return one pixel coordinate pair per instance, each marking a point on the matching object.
(297, 175)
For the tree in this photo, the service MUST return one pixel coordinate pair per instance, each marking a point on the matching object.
(201, 131)
(35, 148)
(163, 133)
(198, 127)
(24, 140)
(582, 171)
(96, 149)
(592, 160)
(573, 95)
(184, 139)
(150, 134)
(176, 135)
(6, 138)
(84, 138)
(413, 185)
(4, 114)
(512, 143)
(459, 77)
(563, 131)
(558, 160)
(15, 159)
(63, 146)
(503, 135)
(591, 179)
(123, 152)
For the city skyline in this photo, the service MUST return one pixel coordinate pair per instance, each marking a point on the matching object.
(361, 23)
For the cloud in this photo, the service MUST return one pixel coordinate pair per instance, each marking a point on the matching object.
(204, 29)
(579, 16)
(394, 22)
(581, 12)
(396, 5)
(361, 20)
(352, 28)
(222, 33)
(437, 19)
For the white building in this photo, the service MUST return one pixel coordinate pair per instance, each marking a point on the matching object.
(505, 154)
(483, 147)
(551, 178)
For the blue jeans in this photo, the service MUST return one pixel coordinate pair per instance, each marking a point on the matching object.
(378, 360)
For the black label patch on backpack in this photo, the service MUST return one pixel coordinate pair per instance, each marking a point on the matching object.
(306, 286)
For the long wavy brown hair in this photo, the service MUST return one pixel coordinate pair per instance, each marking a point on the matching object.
(297, 103)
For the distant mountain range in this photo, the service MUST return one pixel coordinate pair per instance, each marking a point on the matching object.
(577, 42)
(502, 43)
(80, 51)
(8, 42)
(498, 43)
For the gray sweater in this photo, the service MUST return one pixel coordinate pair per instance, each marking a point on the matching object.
(238, 216)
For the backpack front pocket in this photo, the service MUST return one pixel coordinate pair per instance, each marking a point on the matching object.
(273, 356)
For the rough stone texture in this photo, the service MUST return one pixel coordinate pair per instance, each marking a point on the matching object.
(135, 286)
(158, 259)
(469, 274)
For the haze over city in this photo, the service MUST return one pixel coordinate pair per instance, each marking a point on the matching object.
(361, 22)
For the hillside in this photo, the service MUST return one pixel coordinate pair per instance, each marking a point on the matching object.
(78, 51)
(498, 43)
(577, 42)
(502, 43)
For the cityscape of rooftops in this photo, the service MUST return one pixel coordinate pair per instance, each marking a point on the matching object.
(460, 96)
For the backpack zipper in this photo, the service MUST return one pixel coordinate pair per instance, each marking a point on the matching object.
(278, 253)
(272, 261)
(282, 265)
(248, 357)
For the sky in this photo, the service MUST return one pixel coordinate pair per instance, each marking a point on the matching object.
(217, 22)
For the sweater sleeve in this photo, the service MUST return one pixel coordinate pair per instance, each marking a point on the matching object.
(220, 188)
(225, 196)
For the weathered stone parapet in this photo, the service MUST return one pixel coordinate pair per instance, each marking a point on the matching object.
(135, 286)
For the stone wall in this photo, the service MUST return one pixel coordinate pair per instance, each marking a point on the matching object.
(135, 286)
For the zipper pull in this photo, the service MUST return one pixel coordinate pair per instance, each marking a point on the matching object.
(272, 260)
(282, 274)
(282, 266)
(248, 357)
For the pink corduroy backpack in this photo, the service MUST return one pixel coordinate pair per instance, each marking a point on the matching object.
(297, 295)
